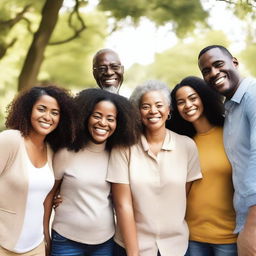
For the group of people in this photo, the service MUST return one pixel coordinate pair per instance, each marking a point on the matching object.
(165, 173)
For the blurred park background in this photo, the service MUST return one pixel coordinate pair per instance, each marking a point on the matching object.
(53, 41)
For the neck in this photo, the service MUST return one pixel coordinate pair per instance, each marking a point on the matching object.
(155, 136)
(36, 140)
(202, 125)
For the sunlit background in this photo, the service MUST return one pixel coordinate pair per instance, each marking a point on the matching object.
(155, 39)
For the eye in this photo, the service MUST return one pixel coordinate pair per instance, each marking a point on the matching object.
(96, 116)
(111, 120)
(115, 67)
(205, 72)
(55, 113)
(219, 64)
(159, 105)
(145, 107)
(41, 109)
(102, 69)
(193, 98)
(180, 102)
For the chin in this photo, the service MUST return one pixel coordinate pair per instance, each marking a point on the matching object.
(112, 88)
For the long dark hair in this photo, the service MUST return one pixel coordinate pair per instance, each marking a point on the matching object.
(212, 102)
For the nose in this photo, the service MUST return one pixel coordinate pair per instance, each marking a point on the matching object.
(103, 122)
(188, 104)
(214, 72)
(153, 109)
(47, 116)
(109, 71)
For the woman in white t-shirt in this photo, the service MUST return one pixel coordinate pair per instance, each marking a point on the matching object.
(39, 120)
(84, 222)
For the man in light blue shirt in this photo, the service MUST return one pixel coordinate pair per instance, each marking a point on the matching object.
(220, 70)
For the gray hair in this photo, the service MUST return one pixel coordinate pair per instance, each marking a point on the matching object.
(148, 86)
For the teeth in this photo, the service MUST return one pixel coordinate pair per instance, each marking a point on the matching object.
(45, 125)
(191, 112)
(101, 131)
(154, 119)
(110, 81)
(219, 80)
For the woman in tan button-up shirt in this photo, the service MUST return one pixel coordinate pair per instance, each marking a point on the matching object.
(150, 179)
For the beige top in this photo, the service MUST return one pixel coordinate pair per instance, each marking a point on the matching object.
(158, 190)
(14, 184)
(86, 213)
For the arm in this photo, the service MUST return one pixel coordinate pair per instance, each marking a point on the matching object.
(125, 217)
(246, 242)
(246, 239)
(47, 214)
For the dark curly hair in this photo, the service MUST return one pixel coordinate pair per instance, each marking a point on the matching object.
(127, 131)
(20, 109)
(212, 102)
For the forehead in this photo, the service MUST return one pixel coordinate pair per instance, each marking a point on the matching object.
(47, 101)
(185, 91)
(105, 106)
(212, 55)
(105, 58)
(152, 96)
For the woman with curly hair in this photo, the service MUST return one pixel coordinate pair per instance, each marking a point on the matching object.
(198, 113)
(39, 120)
(150, 180)
(84, 221)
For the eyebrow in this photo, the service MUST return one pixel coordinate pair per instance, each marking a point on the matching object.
(41, 105)
(192, 94)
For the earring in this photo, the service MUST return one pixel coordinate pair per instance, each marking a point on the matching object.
(169, 116)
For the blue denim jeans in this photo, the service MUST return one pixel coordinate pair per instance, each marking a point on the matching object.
(207, 249)
(62, 246)
(120, 251)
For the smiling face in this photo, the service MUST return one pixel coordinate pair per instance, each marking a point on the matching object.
(220, 71)
(189, 104)
(45, 115)
(102, 122)
(108, 71)
(154, 110)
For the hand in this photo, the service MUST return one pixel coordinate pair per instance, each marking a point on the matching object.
(246, 242)
(47, 244)
(57, 200)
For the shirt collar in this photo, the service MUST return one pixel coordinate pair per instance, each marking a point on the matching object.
(241, 90)
(169, 142)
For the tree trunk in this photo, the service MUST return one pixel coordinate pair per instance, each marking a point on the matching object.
(35, 55)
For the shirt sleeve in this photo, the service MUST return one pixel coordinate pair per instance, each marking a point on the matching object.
(250, 172)
(118, 168)
(194, 169)
(9, 144)
(60, 163)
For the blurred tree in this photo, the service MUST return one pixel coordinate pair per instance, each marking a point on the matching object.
(184, 15)
(177, 62)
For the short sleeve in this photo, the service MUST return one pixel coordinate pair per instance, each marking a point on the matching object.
(9, 144)
(194, 169)
(60, 159)
(118, 168)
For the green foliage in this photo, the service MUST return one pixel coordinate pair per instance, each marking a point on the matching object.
(70, 64)
(248, 57)
(177, 62)
(183, 14)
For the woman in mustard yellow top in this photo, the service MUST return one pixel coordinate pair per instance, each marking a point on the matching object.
(198, 113)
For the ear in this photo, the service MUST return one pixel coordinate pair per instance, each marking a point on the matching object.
(235, 62)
